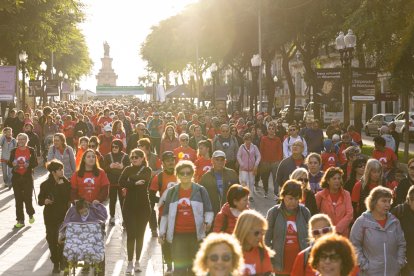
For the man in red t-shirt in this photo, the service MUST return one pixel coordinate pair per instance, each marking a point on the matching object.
(105, 140)
(161, 183)
(104, 120)
(386, 156)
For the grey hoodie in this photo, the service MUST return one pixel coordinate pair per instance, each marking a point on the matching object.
(380, 251)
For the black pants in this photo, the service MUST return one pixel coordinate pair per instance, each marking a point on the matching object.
(135, 228)
(115, 192)
(153, 219)
(56, 250)
(166, 252)
(156, 144)
(184, 249)
(23, 189)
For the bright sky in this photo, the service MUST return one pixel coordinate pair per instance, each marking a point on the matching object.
(124, 24)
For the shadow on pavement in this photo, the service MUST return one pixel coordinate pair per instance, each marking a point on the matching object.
(29, 262)
(6, 200)
(11, 237)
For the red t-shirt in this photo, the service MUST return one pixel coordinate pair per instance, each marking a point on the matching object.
(341, 155)
(120, 135)
(68, 129)
(202, 166)
(253, 265)
(292, 247)
(298, 162)
(184, 222)
(356, 191)
(22, 158)
(382, 222)
(299, 269)
(329, 159)
(103, 121)
(185, 154)
(386, 157)
(89, 186)
(166, 180)
(105, 143)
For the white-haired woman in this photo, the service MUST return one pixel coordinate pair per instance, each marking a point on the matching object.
(308, 197)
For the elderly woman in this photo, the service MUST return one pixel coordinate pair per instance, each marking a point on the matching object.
(308, 197)
(248, 157)
(340, 253)
(219, 254)
(378, 237)
(250, 230)
(319, 226)
(186, 217)
(334, 201)
(288, 227)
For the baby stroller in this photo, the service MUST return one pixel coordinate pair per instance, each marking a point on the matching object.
(84, 246)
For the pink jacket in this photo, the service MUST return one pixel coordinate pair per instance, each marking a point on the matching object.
(341, 214)
(248, 158)
(169, 145)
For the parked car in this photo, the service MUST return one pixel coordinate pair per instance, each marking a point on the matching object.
(377, 121)
(298, 112)
(399, 121)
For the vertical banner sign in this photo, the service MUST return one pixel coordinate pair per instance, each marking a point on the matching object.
(52, 87)
(65, 87)
(35, 88)
(328, 88)
(7, 83)
(363, 85)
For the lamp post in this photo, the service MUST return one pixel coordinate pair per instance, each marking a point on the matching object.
(43, 68)
(213, 70)
(256, 62)
(346, 44)
(53, 72)
(60, 74)
(23, 59)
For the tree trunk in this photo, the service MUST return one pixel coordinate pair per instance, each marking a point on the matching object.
(407, 126)
(270, 86)
(292, 92)
(241, 97)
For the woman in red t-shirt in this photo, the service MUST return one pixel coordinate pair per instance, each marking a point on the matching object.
(90, 181)
(203, 163)
(250, 230)
(118, 132)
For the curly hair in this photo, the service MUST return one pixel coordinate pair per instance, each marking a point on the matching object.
(330, 172)
(337, 244)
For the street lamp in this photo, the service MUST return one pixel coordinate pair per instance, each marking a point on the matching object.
(23, 59)
(346, 44)
(43, 68)
(60, 74)
(213, 70)
(256, 62)
(53, 71)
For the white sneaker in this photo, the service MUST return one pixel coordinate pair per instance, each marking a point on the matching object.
(137, 267)
(130, 269)
(276, 198)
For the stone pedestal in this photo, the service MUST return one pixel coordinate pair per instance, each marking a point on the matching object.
(106, 75)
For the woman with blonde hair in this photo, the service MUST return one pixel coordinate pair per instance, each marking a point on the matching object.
(169, 140)
(250, 229)
(308, 197)
(118, 132)
(219, 254)
(319, 225)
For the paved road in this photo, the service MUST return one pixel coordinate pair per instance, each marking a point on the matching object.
(25, 251)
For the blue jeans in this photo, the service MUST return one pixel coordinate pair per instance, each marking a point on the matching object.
(7, 174)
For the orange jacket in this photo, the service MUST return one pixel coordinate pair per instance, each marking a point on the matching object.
(341, 214)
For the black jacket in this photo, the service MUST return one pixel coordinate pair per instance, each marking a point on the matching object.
(34, 141)
(310, 202)
(15, 124)
(81, 126)
(193, 144)
(60, 194)
(406, 216)
(114, 174)
(32, 162)
(133, 141)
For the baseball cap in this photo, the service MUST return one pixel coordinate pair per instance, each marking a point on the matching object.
(156, 114)
(167, 155)
(219, 153)
(108, 127)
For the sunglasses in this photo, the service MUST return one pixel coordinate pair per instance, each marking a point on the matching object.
(363, 165)
(224, 258)
(321, 231)
(115, 147)
(92, 146)
(134, 157)
(292, 129)
(188, 173)
(335, 257)
(304, 180)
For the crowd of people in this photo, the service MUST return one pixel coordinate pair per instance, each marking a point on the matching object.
(335, 210)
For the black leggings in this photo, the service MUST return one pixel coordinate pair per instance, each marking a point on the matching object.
(23, 190)
(56, 250)
(115, 193)
(135, 228)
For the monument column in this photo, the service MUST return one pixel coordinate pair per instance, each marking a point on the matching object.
(106, 75)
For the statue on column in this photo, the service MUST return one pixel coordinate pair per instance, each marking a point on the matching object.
(106, 49)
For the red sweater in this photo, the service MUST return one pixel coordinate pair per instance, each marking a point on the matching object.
(219, 221)
(271, 149)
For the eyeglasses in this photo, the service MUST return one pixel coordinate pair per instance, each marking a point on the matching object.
(215, 257)
(134, 157)
(292, 129)
(187, 173)
(363, 165)
(335, 257)
(321, 231)
(304, 180)
(259, 232)
(115, 147)
(92, 146)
